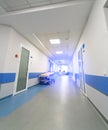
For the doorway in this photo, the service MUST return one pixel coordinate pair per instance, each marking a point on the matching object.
(81, 71)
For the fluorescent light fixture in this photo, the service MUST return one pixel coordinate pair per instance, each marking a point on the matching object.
(39, 41)
(54, 41)
(59, 52)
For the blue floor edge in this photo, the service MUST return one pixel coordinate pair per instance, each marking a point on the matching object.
(5, 97)
(11, 103)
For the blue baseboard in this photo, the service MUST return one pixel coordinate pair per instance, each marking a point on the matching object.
(5, 97)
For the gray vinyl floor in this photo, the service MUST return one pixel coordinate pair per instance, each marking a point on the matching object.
(57, 107)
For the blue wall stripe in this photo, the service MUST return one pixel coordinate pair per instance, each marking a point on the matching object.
(100, 83)
(34, 75)
(7, 77)
(10, 77)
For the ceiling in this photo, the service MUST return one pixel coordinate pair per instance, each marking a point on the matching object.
(41, 20)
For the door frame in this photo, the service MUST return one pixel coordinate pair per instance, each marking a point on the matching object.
(17, 73)
(81, 61)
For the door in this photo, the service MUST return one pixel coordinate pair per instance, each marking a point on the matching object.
(23, 71)
(81, 70)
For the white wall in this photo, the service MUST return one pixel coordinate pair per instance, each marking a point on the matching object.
(10, 45)
(75, 65)
(95, 38)
(55, 67)
(4, 40)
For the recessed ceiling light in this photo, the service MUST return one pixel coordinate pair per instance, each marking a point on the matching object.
(54, 41)
(59, 52)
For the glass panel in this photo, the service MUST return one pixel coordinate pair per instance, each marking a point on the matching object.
(22, 77)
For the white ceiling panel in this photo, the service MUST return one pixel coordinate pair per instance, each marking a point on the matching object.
(2, 10)
(38, 4)
(14, 2)
(57, 1)
(13, 5)
(15, 8)
(37, 1)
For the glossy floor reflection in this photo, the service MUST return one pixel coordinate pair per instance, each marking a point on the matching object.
(57, 107)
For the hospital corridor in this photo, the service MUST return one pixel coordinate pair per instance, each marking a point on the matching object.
(53, 64)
